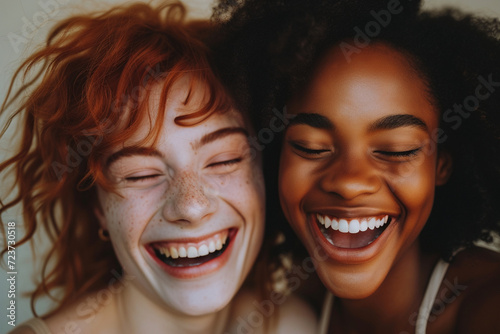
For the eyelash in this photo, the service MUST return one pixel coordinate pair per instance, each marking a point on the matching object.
(397, 154)
(400, 154)
(226, 162)
(141, 178)
(307, 150)
(152, 176)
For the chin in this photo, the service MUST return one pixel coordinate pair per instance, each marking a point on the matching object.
(348, 285)
(204, 306)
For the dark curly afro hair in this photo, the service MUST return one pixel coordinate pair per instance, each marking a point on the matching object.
(268, 50)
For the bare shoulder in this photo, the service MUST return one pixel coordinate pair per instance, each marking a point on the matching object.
(476, 267)
(479, 272)
(296, 316)
(88, 314)
(280, 314)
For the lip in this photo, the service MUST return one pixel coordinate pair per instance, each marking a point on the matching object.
(191, 241)
(351, 255)
(199, 270)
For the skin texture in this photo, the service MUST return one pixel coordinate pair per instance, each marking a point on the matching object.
(191, 191)
(343, 164)
(185, 191)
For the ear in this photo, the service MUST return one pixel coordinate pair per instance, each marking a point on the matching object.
(444, 167)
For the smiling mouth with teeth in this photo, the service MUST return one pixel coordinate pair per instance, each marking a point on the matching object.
(352, 232)
(190, 254)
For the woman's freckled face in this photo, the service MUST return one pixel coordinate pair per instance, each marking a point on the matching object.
(190, 189)
(364, 148)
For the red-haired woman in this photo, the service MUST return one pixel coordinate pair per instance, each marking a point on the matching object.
(134, 162)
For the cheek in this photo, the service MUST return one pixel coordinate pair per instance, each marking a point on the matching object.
(253, 179)
(243, 189)
(415, 190)
(294, 183)
(125, 216)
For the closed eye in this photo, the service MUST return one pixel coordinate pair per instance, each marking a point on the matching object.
(400, 154)
(308, 152)
(141, 178)
(225, 162)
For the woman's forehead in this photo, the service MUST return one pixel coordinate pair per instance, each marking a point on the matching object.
(186, 96)
(377, 82)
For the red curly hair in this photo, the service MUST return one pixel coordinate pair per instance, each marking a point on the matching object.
(93, 68)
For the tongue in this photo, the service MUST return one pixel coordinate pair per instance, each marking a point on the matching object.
(186, 262)
(348, 240)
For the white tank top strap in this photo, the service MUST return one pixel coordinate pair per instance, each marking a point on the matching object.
(430, 296)
(326, 313)
(431, 293)
(37, 325)
(425, 308)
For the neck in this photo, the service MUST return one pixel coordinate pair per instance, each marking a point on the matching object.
(394, 305)
(136, 313)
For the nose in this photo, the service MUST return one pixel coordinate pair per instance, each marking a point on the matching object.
(188, 200)
(350, 176)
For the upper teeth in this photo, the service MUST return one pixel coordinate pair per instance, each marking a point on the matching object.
(190, 250)
(354, 225)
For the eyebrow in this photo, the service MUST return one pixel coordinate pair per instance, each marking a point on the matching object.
(152, 152)
(386, 123)
(398, 121)
(218, 134)
(312, 119)
(131, 151)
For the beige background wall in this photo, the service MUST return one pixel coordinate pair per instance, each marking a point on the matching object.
(17, 18)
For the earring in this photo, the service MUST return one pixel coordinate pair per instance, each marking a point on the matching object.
(103, 234)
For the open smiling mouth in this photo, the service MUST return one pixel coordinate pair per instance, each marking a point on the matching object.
(352, 232)
(176, 254)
